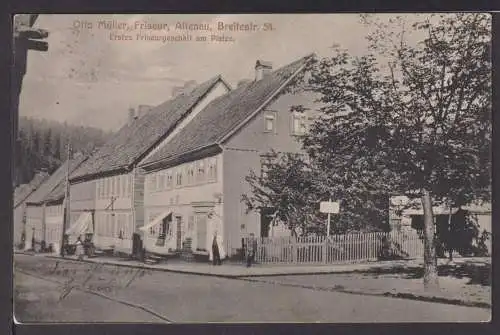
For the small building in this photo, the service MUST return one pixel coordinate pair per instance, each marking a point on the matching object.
(36, 209)
(406, 214)
(110, 186)
(21, 193)
(195, 181)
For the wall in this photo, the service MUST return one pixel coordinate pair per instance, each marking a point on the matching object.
(82, 198)
(254, 137)
(242, 153)
(181, 200)
(53, 224)
(113, 216)
(18, 223)
(34, 222)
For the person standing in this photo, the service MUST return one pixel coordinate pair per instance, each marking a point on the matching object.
(251, 249)
(79, 249)
(215, 251)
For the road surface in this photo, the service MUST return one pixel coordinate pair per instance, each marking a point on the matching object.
(193, 298)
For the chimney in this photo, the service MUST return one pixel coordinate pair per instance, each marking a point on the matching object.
(143, 109)
(244, 82)
(262, 69)
(131, 115)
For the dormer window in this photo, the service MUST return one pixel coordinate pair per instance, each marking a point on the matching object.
(270, 122)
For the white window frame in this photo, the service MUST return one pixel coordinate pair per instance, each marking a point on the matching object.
(301, 124)
(212, 169)
(270, 115)
(200, 173)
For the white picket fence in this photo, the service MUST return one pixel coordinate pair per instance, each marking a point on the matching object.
(346, 248)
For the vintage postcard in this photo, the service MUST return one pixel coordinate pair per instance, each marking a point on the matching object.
(252, 168)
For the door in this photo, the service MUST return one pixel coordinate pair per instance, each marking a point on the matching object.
(178, 219)
(265, 221)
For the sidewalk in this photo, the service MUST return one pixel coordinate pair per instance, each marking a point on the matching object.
(231, 270)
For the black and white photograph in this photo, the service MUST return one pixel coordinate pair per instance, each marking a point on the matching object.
(252, 168)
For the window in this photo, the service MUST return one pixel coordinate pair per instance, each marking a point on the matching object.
(201, 232)
(178, 177)
(105, 188)
(117, 183)
(212, 169)
(99, 189)
(151, 183)
(119, 186)
(190, 223)
(299, 124)
(190, 174)
(200, 173)
(169, 180)
(129, 185)
(162, 181)
(265, 164)
(270, 122)
(113, 186)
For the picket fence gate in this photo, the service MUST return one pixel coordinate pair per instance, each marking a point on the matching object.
(345, 248)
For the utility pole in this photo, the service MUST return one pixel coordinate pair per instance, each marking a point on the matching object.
(25, 38)
(66, 208)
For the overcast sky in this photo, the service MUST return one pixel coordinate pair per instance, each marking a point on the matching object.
(87, 79)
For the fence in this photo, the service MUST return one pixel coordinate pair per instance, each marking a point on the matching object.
(356, 247)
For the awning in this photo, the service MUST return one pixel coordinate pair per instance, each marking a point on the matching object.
(157, 220)
(82, 225)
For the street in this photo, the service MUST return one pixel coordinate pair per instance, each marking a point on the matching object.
(193, 298)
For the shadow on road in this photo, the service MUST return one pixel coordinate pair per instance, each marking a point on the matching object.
(478, 273)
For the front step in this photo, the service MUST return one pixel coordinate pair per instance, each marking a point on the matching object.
(153, 259)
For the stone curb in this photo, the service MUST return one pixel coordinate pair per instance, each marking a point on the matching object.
(220, 275)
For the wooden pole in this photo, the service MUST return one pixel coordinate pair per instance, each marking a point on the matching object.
(66, 199)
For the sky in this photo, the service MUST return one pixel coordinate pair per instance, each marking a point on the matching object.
(88, 77)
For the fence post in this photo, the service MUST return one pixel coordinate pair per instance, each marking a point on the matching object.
(325, 250)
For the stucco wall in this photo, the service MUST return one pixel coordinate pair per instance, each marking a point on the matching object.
(180, 201)
(34, 222)
(243, 151)
(82, 198)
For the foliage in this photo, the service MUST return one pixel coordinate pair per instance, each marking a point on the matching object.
(43, 145)
(404, 118)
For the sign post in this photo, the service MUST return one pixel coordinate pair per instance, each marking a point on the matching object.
(330, 207)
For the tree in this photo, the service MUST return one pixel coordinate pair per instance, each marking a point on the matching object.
(424, 115)
(406, 118)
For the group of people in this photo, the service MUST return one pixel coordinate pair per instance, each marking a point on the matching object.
(249, 250)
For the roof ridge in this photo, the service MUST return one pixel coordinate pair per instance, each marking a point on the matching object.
(237, 106)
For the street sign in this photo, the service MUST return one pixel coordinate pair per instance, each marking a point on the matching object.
(331, 207)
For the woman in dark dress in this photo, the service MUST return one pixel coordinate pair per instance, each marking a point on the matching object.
(215, 252)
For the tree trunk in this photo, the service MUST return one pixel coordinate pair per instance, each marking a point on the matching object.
(430, 261)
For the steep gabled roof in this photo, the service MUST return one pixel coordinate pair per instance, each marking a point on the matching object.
(225, 114)
(22, 192)
(133, 141)
(57, 178)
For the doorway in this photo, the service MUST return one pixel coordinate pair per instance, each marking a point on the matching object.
(265, 221)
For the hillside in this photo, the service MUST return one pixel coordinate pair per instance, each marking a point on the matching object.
(43, 145)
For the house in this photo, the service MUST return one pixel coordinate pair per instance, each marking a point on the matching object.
(21, 193)
(108, 189)
(194, 183)
(54, 204)
(410, 216)
(36, 209)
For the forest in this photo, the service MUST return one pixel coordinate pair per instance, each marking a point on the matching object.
(42, 145)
